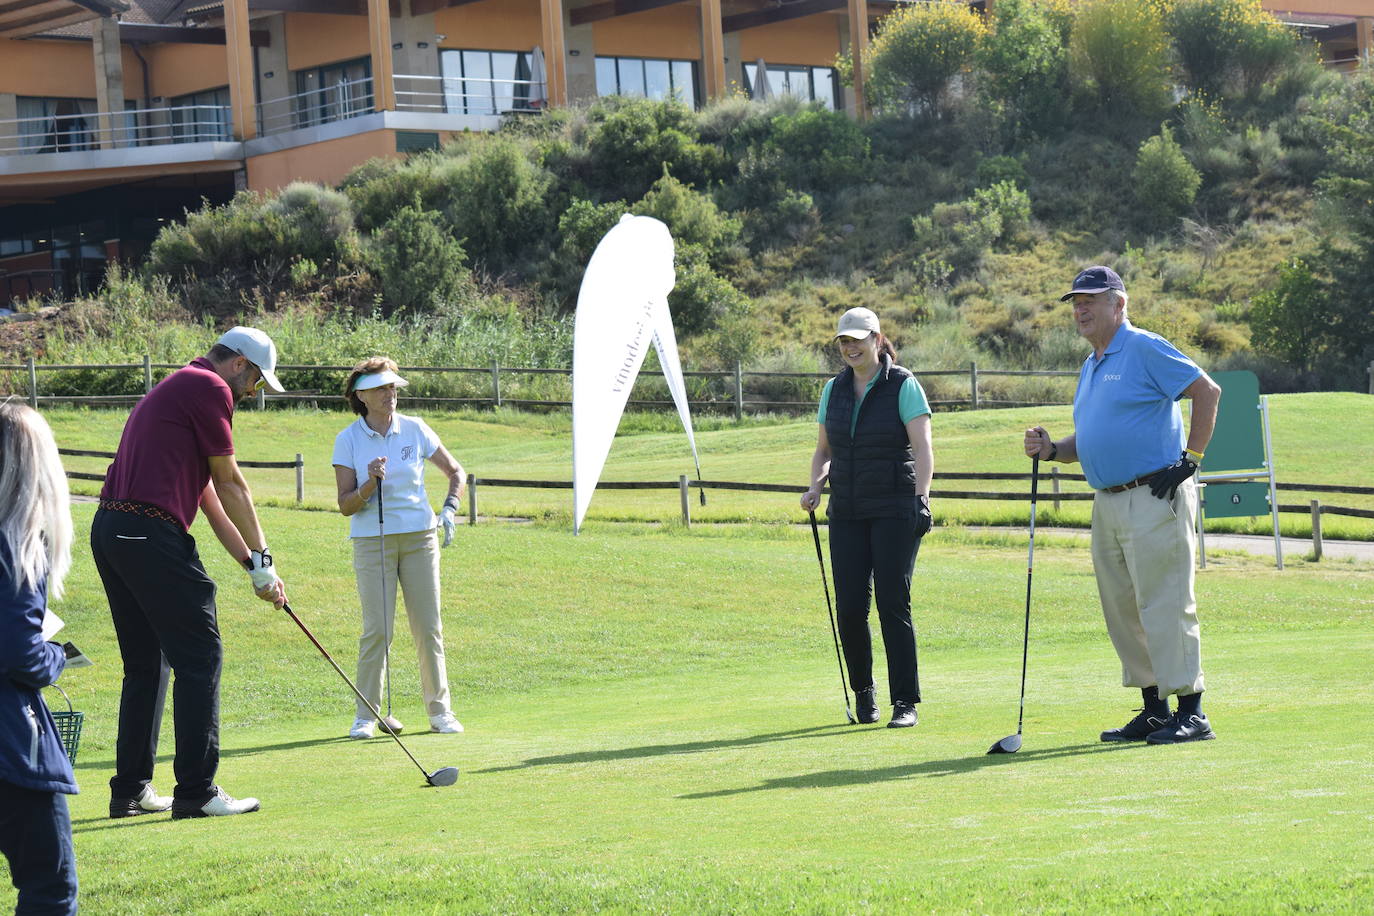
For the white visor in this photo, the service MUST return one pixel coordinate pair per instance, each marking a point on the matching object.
(378, 379)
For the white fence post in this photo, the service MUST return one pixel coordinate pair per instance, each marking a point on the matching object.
(33, 384)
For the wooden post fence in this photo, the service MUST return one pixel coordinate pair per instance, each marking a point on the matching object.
(1316, 529)
(33, 384)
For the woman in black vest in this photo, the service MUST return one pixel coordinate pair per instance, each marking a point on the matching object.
(874, 446)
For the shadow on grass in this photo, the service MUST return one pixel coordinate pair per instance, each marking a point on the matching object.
(109, 765)
(661, 750)
(929, 768)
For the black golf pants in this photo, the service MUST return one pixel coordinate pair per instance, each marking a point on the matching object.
(163, 606)
(877, 554)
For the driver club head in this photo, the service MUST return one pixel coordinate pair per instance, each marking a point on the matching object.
(1008, 745)
(444, 776)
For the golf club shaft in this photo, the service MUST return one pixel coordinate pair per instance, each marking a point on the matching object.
(387, 612)
(834, 631)
(349, 682)
(1030, 569)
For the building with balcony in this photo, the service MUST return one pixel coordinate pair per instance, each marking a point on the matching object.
(118, 115)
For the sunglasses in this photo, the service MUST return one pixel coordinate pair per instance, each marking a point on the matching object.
(261, 383)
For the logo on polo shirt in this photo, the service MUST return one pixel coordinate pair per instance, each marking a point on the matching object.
(408, 453)
(1111, 378)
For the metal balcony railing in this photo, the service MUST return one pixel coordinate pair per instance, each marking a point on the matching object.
(128, 128)
(336, 102)
(467, 95)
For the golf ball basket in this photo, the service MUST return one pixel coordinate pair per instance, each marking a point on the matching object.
(68, 725)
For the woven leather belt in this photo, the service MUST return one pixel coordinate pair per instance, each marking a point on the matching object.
(1138, 482)
(147, 510)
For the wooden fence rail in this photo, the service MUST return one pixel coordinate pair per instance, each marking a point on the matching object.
(298, 464)
(735, 399)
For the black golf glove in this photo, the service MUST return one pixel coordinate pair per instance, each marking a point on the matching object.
(923, 519)
(1165, 484)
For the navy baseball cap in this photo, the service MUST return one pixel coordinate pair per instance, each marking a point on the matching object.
(1094, 280)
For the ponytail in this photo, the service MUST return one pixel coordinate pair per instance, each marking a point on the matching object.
(885, 347)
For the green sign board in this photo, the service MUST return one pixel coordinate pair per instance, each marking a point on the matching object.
(1228, 500)
(1238, 440)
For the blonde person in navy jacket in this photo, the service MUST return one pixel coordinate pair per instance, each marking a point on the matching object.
(35, 775)
(388, 450)
(874, 447)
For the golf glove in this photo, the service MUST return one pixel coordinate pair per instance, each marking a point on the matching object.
(1165, 484)
(260, 568)
(923, 519)
(448, 518)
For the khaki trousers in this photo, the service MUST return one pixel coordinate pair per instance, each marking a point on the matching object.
(1143, 556)
(413, 560)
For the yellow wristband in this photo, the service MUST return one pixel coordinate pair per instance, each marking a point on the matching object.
(1197, 455)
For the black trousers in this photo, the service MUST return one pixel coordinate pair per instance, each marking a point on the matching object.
(877, 554)
(36, 837)
(163, 606)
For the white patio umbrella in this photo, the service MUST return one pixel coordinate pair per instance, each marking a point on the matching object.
(538, 91)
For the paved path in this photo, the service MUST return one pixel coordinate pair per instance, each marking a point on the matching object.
(1251, 543)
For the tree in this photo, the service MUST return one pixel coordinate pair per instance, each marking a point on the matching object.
(1120, 55)
(919, 50)
(1289, 321)
(1226, 47)
(1025, 63)
(1165, 181)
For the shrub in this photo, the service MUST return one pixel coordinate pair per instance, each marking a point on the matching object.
(1120, 56)
(918, 51)
(580, 229)
(818, 149)
(691, 217)
(994, 169)
(631, 141)
(1010, 203)
(421, 267)
(1290, 320)
(1165, 182)
(701, 300)
(497, 202)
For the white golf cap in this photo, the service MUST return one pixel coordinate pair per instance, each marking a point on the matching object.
(857, 323)
(256, 347)
(378, 379)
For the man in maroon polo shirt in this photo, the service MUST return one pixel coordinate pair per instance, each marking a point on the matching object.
(177, 455)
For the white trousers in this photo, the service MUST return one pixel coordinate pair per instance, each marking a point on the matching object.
(412, 560)
(1143, 550)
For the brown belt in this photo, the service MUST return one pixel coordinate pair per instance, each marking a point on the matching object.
(131, 507)
(1138, 482)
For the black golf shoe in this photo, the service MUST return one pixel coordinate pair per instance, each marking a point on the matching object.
(147, 802)
(866, 706)
(1138, 729)
(903, 715)
(1183, 728)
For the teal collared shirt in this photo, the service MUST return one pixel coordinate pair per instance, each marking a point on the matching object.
(911, 401)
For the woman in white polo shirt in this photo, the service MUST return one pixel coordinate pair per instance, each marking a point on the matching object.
(387, 449)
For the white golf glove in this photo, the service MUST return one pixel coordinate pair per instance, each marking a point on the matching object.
(448, 517)
(261, 569)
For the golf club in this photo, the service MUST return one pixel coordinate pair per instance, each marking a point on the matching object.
(834, 631)
(444, 776)
(1012, 743)
(387, 612)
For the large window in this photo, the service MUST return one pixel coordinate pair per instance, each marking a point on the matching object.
(200, 116)
(335, 92)
(654, 79)
(812, 84)
(490, 82)
(57, 125)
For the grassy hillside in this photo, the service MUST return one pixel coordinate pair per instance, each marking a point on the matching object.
(1318, 438)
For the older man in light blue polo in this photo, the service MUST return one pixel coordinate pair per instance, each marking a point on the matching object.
(1130, 438)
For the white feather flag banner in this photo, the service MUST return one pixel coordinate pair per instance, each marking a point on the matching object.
(621, 308)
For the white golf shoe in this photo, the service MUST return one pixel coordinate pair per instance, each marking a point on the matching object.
(219, 805)
(445, 724)
(363, 728)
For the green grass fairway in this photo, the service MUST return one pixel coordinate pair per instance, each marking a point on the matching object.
(654, 724)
